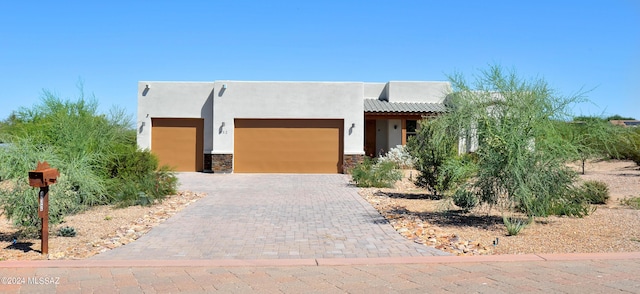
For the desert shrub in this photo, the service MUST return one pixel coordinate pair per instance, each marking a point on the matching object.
(67, 231)
(594, 192)
(146, 190)
(515, 224)
(456, 171)
(594, 138)
(96, 155)
(629, 146)
(370, 173)
(465, 199)
(136, 178)
(165, 183)
(400, 156)
(633, 202)
(433, 145)
(521, 154)
(19, 202)
(572, 205)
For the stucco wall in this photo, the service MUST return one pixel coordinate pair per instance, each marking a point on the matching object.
(331, 100)
(375, 90)
(395, 133)
(174, 100)
(276, 100)
(432, 92)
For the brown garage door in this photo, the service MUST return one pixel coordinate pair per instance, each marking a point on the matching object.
(288, 146)
(178, 142)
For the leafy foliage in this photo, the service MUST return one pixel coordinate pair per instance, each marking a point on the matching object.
(96, 155)
(514, 224)
(596, 138)
(67, 231)
(433, 145)
(629, 145)
(619, 117)
(370, 173)
(519, 160)
(465, 199)
(572, 204)
(594, 192)
(633, 202)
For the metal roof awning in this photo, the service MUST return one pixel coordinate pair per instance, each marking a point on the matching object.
(373, 106)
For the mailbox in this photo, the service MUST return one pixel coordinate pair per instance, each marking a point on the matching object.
(43, 175)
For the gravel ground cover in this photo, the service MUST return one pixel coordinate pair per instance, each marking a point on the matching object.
(435, 222)
(98, 229)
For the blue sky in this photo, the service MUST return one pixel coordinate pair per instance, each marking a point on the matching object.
(111, 45)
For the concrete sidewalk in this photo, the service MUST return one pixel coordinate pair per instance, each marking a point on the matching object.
(271, 216)
(545, 273)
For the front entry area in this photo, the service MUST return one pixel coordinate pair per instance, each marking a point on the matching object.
(288, 145)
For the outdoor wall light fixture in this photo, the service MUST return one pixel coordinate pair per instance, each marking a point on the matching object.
(223, 124)
(222, 89)
(395, 127)
(141, 128)
(353, 126)
(146, 90)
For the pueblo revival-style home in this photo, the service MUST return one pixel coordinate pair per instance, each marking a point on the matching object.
(280, 127)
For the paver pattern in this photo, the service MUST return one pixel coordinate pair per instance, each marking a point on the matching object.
(305, 234)
(540, 276)
(271, 216)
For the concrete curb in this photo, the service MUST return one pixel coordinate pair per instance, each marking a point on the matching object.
(317, 262)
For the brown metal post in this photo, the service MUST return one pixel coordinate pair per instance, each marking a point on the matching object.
(43, 213)
(42, 177)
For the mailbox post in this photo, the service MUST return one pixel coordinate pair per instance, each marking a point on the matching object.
(42, 177)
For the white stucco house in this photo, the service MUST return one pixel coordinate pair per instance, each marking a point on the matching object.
(280, 127)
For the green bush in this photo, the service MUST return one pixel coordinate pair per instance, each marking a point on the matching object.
(67, 232)
(594, 192)
(370, 173)
(514, 225)
(146, 190)
(512, 126)
(136, 178)
(573, 205)
(633, 202)
(456, 171)
(434, 144)
(630, 146)
(96, 155)
(464, 199)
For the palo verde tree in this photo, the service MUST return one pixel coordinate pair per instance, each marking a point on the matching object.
(596, 138)
(96, 154)
(520, 160)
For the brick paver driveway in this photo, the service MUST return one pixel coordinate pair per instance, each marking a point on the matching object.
(268, 216)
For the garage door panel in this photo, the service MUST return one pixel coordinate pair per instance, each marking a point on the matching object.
(178, 142)
(288, 146)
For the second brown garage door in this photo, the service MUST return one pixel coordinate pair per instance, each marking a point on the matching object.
(288, 146)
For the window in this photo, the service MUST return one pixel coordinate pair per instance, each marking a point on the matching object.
(412, 126)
